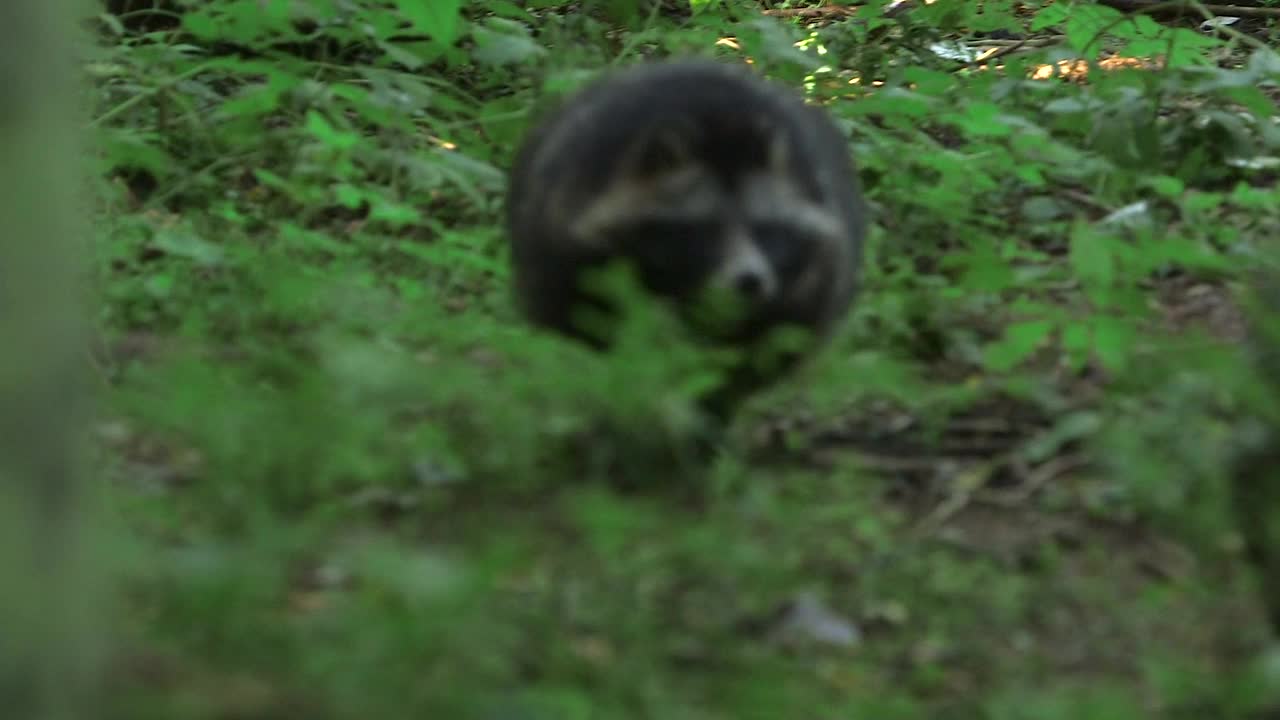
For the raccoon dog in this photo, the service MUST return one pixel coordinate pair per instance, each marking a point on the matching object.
(703, 177)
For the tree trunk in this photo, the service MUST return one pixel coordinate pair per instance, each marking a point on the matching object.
(45, 630)
(1255, 475)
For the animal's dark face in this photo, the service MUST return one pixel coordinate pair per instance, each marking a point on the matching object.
(704, 220)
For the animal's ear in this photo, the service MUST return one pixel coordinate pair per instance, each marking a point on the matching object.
(659, 151)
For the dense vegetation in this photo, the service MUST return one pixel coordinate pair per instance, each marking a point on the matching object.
(348, 482)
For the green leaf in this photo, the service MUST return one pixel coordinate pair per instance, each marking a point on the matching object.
(201, 26)
(401, 56)
(182, 242)
(256, 100)
(1091, 256)
(1019, 342)
(126, 147)
(1077, 344)
(775, 40)
(1166, 185)
(1042, 208)
(1087, 23)
(987, 271)
(439, 19)
(328, 134)
(505, 42)
(1113, 341)
(349, 196)
(983, 120)
(1073, 427)
(160, 285)
(394, 214)
(928, 82)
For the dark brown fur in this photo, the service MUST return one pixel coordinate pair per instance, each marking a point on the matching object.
(699, 173)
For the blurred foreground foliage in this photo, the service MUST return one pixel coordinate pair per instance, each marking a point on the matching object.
(352, 484)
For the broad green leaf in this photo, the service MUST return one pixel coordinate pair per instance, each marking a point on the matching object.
(983, 120)
(1086, 25)
(505, 42)
(124, 147)
(1077, 343)
(987, 271)
(328, 134)
(1091, 256)
(1113, 341)
(392, 213)
(1019, 342)
(1042, 208)
(348, 195)
(402, 56)
(184, 243)
(1166, 185)
(439, 19)
(929, 82)
(256, 100)
(200, 25)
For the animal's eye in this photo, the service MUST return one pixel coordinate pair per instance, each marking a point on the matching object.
(787, 247)
(673, 256)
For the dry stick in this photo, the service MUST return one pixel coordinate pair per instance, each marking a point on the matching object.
(812, 12)
(1162, 7)
(998, 52)
(997, 43)
(892, 11)
(961, 497)
(1036, 480)
(1151, 7)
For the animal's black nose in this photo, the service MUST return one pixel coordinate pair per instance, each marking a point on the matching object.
(750, 284)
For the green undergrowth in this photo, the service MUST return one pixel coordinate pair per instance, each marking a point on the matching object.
(350, 483)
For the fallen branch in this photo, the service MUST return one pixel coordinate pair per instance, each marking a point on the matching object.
(813, 12)
(1162, 7)
(892, 10)
(1150, 7)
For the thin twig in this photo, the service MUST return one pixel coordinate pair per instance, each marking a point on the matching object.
(813, 12)
(1036, 479)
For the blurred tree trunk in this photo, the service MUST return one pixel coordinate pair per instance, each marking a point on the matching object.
(1256, 474)
(46, 596)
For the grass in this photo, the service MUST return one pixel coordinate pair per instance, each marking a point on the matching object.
(347, 481)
